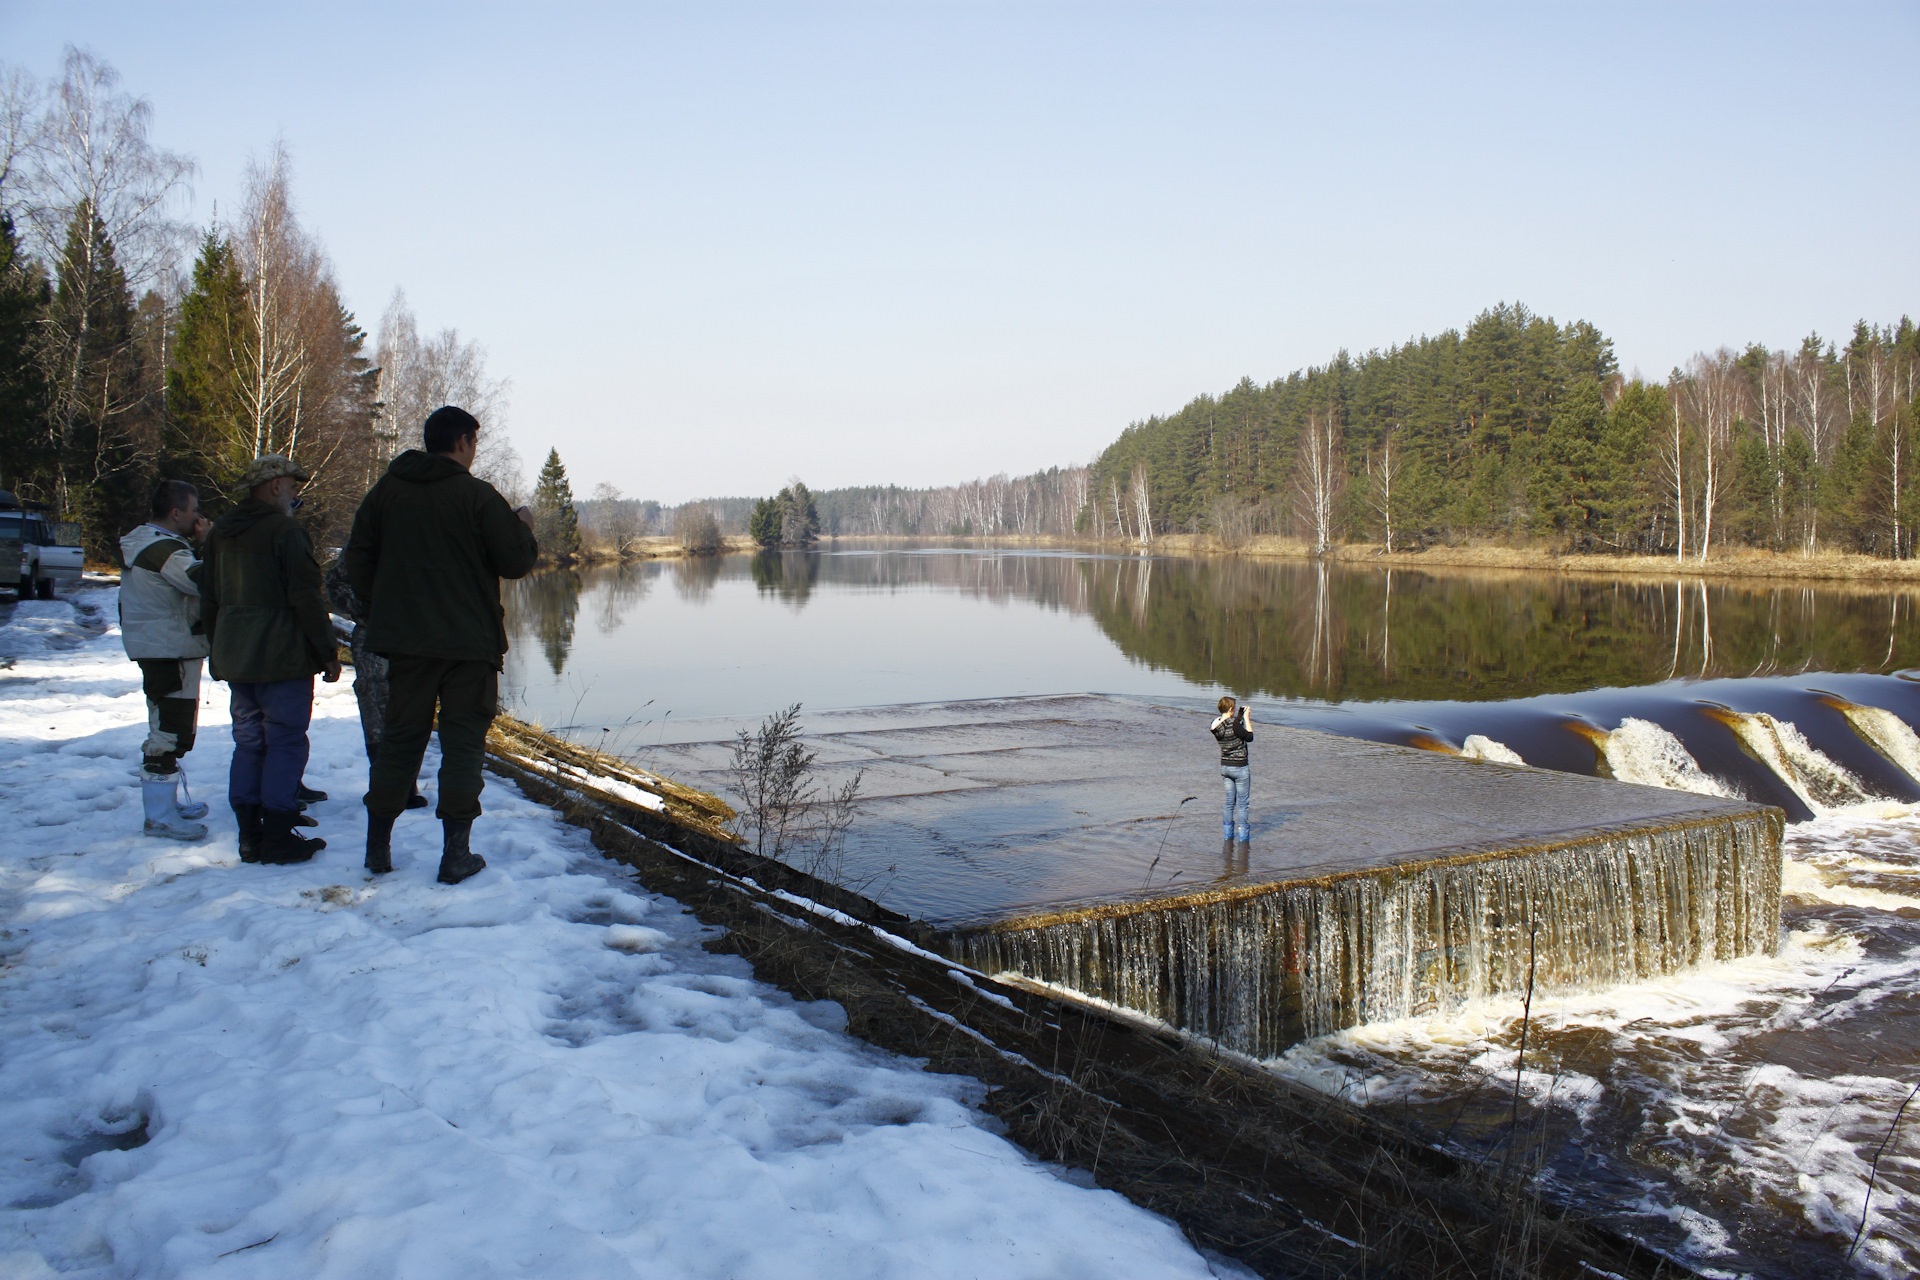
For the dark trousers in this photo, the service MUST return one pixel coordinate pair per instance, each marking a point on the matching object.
(173, 709)
(468, 696)
(270, 742)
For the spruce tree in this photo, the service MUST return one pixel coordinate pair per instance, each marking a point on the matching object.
(799, 519)
(555, 522)
(102, 412)
(25, 440)
(206, 439)
(764, 525)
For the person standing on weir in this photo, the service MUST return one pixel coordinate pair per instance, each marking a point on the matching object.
(1233, 730)
(430, 543)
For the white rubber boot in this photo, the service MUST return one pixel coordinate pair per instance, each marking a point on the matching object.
(190, 809)
(163, 818)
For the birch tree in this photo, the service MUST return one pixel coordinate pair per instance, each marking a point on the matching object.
(1710, 394)
(419, 375)
(1316, 477)
(1384, 473)
(87, 163)
(284, 287)
(1673, 468)
(1142, 504)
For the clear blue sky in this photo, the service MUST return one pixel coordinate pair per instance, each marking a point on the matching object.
(717, 244)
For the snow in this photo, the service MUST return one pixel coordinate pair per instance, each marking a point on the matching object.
(271, 1071)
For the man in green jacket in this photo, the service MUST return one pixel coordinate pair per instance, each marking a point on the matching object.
(430, 543)
(262, 605)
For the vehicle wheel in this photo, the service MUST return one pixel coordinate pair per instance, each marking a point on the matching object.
(46, 589)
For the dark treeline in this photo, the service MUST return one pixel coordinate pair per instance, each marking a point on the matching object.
(1522, 429)
(134, 347)
(1045, 504)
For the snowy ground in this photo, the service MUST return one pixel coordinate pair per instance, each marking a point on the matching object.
(209, 1069)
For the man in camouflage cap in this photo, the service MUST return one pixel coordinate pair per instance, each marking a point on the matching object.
(262, 605)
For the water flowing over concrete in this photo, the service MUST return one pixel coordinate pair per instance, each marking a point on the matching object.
(1052, 838)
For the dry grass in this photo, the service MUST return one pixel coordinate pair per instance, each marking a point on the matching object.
(580, 768)
(595, 551)
(1735, 562)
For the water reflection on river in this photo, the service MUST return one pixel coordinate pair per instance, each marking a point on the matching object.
(745, 634)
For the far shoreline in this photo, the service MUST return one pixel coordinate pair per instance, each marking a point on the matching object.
(1746, 563)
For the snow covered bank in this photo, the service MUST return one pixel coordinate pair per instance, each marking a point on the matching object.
(211, 1069)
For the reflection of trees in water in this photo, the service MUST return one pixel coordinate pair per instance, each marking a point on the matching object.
(543, 606)
(1305, 628)
(619, 590)
(694, 576)
(1315, 629)
(790, 575)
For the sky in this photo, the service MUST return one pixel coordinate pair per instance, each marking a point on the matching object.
(714, 246)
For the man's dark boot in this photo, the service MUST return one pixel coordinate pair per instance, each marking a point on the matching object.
(379, 843)
(416, 800)
(248, 816)
(457, 862)
(307, 795)
(279, 846)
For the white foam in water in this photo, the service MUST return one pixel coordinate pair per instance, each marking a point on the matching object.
(1889, 734)
(1826, 787)
(1749, 1081)
(1480, 747)
(1641, 751)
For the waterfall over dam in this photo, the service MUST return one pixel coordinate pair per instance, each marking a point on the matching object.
(1053, 839)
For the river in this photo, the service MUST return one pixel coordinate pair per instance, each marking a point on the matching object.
(1732, 1116)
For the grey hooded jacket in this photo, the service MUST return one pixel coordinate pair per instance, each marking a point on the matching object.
(159, 600)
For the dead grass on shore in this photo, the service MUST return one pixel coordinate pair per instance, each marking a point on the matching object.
(1741, 562)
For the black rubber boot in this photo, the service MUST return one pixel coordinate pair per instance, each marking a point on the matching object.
(416, 800)
(307, 795)
(457, 862)
(279, 846)
(248, 817)
(306, 819)
(379, 843)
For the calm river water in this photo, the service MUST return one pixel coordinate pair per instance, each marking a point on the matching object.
(1734, 1116)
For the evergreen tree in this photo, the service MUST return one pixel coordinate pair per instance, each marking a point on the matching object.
(555, 522)
(764, 525)
(799, 519)
(207, 440)
(106, 432)
(26, 442)
(1566, 490)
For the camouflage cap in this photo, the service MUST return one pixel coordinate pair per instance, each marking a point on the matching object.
(271, 466)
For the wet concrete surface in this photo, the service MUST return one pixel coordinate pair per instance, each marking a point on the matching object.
(985, 811)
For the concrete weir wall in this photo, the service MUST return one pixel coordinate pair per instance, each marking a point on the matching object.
(1263, 967)
(1076, 840)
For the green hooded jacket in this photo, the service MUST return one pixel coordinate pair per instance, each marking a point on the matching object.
(430, 544)
(261, 598)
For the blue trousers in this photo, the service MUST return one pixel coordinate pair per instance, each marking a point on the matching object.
(1239, 784)
(270, 742)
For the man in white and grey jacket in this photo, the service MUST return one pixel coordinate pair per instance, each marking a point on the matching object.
(160, 627)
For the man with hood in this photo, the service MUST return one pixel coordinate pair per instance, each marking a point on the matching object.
(430, 543)
(160, 629)
(263, 607)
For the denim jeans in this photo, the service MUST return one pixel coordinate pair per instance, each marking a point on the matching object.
(270, 742)
(1238, 779)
